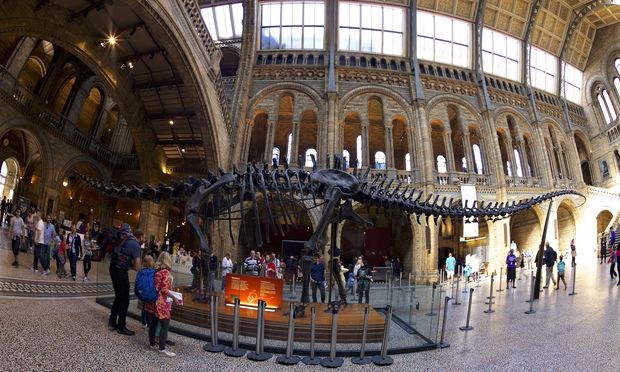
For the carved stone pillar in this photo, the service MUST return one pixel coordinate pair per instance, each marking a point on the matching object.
(20, 55)
(511, 156)
(469, 153)
(295, 144)
(271, 128)
(153, 218)
(389, 147)
(365, 147)
(523, 155)
(447, 142)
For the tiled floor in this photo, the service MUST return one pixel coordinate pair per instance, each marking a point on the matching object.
(575, 333)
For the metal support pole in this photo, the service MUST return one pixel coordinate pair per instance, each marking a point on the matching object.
(465, 280)
(456, 298)
(501, 269)
(214, 346)
(362, 359)
(292, 296)
(411, 307)
(312, 360)
(234, 351)
(332, 361)
(383, 359)
(574, 280)
(259, 355)
(489, 311)
(531, 310)
(432, 301)
(467, 327)
(414, 294)
(289, 359)
(442, 344)
(491, 294)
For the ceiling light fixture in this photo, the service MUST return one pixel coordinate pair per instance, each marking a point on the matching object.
(171, 122)
(183, 150)
(130, 64)
(112, 40)
(65, 182)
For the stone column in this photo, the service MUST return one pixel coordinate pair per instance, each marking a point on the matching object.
(424, 152)
(543, 163)
(447, 143)
(331, 128)
(271, 128)
(20, 55)
(523, 155)
(365, 147)
(295, 144)
(153, 218)
(574, 160)
(389, 147)
(511, 156)
(469, 153)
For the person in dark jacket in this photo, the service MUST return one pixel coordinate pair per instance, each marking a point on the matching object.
(603, 249)
(213, 264)
(511, 269)
(317, 274)
(364, 277)
(549, 259)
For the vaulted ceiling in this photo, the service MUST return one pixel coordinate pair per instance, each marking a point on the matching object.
(557, 24)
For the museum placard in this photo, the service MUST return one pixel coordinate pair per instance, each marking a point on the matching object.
(250, 289)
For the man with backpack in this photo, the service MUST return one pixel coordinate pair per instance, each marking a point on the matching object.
(549, 259)
(125, 256)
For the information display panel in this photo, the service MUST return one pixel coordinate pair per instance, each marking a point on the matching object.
(250, 289)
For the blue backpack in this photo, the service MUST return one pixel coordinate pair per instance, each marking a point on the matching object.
(145, 285)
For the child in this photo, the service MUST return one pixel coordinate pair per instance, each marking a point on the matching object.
(561, 266)
(62, 256)
(147, 263)
(351, 283)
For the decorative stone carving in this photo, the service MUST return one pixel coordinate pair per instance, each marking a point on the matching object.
(449, 86)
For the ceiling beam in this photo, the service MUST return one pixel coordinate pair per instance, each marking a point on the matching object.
(175, 142)
(84, 12)
(148, 53)
(157, 84)
(592, 5)
(170, 115)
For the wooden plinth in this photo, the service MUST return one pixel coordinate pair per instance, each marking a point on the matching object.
(350, 321)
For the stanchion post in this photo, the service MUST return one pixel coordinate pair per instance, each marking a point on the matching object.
(293, 286)
(491, 293)
(465, 280)
(490, 310)
(312, 360)
(332, 361)
(411, 307)
(383, 359)
(432, 301)
(501, 269)
(531, 310)
(362, 359)
(442, 343)
(289, 359)
(259, 355)
(456, 298)
(467, 327)
(234, 351)
(214, 346)
(574, 267)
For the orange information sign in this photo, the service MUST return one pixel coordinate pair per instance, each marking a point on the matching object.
(249, 289)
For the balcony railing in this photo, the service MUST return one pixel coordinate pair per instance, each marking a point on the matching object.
(462, 178)
(31, 106)
(514, 181)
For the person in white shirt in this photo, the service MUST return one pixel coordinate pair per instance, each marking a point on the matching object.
(227, 267)
(39, 244)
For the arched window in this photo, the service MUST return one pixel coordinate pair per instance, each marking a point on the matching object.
(603, 107)
(611, 108)
(379, 160)
(604, 169)
(346, 158)
(464, 163)
(518, 161)
(441, 164)
(478, 159)
(275, 154)
(508, 168)
(309, 154)
(617, 64)
(408, 162)
(617, 85)
(358, 150)
(289, 147)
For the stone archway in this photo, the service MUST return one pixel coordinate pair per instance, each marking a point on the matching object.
(526, 231)
(566, 226)
(602, 221)
(391, 236)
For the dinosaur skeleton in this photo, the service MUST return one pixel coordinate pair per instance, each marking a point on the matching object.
(224, 196)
